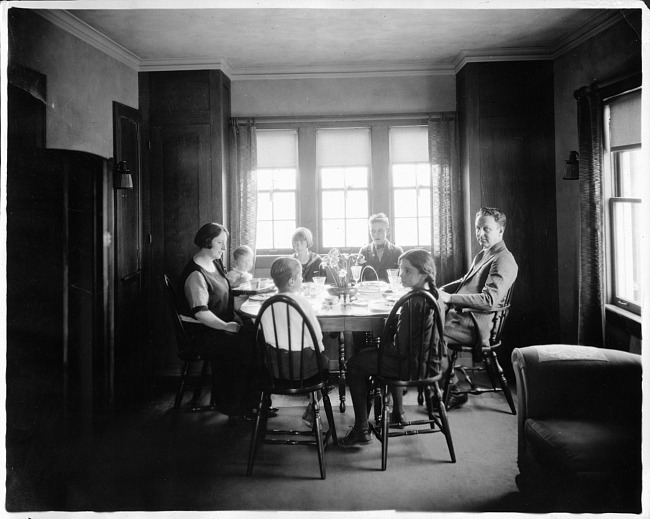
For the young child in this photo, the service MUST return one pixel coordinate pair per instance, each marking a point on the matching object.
(239, 274)
(380, 254)
(242, 263)
(286, 273)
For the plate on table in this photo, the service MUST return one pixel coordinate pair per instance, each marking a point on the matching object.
(261, 297)
(367, 287)
(382, 307)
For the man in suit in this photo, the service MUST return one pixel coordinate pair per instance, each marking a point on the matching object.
(380, 254)
(485, 285)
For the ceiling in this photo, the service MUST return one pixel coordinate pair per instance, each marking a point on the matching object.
(263, 42)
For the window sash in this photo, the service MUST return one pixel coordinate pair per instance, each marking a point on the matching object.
(625, 215)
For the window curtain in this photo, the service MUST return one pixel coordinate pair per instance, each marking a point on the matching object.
(242, 199)
(591, 311)
(446, 204)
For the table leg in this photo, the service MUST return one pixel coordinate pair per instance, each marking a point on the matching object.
(342, 371)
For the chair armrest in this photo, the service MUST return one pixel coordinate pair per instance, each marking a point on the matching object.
(577, 381)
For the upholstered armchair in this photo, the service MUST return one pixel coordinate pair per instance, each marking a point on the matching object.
(579, 427)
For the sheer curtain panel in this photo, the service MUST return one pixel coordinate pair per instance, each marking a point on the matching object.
(591, 318)
(447, 230)
(242, 203)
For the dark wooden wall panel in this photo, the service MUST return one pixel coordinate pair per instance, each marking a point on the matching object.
(185, 121)
(507, 156)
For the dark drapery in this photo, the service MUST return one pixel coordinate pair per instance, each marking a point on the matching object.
(446, 203)
(242, 200)
(591, 319)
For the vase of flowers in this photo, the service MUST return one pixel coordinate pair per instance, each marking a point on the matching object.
(339, 265)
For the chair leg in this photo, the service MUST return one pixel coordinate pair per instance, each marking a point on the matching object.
(197, 390)
(330, 415)
(181, 388)
(384, 427)
(319, 435)
(258, 433)
(442, 408)
(450, 374)
(420, 396)
(503, 382)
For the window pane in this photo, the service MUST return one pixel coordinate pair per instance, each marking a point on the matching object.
(357, 234)
(333, 204)
(282, 232)
(284, 206)
(357, 204)
(264, 238)
(423, 173)
(403, 175)
(629, 173)
(356, 177)
(264, 179)
(627, 250)
(424, 203)
(332, 178)
(264, 206)
(406, 231)
(333, 233)
(284, 179)
(424, 229)
(405, 202)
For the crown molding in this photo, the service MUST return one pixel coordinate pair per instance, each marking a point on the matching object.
(153, 65)
(73, 25)
(414, 68)
(80, 29)
(494, 55)
(593, 27)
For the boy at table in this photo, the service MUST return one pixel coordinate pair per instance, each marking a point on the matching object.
(286, 273)
(379, 254)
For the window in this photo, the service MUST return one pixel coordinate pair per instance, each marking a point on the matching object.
(411, 185)
(625, 172)
(331, 174)
(343, 158)
(277, 181)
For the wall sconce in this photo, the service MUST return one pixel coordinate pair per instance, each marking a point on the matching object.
(572, 168)
(123, 178)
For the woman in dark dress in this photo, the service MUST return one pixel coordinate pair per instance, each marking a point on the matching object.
(215, 331)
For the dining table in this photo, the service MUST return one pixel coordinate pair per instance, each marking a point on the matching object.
(364, 311)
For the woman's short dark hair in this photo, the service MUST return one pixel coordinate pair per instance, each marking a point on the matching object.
(207, 233)
(422, 260)
(283, 269)
(303, 234)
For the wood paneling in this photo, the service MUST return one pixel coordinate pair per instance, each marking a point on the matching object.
(185, 119)
(507, 156)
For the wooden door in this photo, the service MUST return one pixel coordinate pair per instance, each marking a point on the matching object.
(130, 353)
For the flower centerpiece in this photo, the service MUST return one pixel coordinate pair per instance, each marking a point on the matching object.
(340, 265)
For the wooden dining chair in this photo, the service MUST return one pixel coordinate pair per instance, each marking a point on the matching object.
(189, 358)
(484, 356)
(416, 315)
(291, 367)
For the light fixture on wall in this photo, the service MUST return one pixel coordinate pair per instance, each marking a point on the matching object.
(123, 179)
(572, 168)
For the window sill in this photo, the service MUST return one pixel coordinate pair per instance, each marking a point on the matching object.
(624, 319)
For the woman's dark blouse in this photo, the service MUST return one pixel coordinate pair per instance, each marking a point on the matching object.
(311, 268)
(207, 291)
